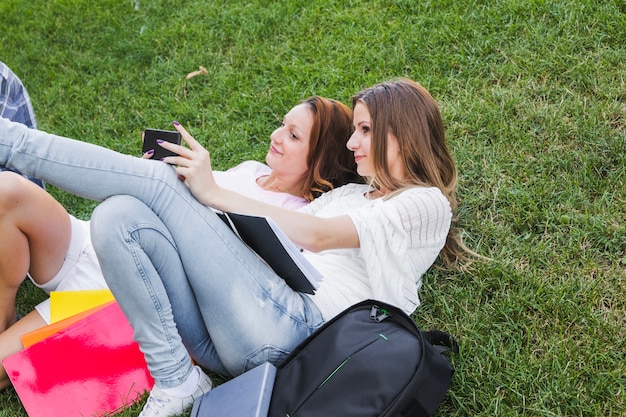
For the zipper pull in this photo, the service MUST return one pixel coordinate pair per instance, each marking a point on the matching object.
(379, 314)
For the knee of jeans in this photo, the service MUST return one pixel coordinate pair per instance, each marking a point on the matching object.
(107, 220)
(267, 353)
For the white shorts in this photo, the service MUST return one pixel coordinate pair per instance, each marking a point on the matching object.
(80, 271)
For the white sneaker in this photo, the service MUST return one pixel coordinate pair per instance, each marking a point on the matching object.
(160, 404)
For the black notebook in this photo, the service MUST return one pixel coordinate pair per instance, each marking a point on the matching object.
(264, 237)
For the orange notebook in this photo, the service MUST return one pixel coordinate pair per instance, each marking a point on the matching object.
(29, 339)
(90, 368)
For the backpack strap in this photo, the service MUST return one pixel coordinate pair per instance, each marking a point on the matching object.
(442, 341)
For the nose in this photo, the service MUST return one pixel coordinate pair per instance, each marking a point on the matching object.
(352, 143)
(275, 137)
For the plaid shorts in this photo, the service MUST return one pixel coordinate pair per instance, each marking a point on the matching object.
(15, 104)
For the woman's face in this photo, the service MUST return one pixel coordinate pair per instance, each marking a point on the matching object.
(361, 144)
(289, 146)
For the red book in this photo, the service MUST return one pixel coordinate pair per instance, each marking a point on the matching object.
(90, 368)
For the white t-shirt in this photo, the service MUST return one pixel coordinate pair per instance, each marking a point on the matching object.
(400, 238)
(242, 178)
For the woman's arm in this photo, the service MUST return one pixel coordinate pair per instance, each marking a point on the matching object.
(312, 233)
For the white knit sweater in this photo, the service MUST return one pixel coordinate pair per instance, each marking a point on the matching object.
(400, 238)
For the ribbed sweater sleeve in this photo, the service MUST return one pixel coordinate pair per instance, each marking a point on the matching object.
(399, 240)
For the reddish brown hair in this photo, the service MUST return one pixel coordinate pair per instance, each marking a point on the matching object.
(330, 163)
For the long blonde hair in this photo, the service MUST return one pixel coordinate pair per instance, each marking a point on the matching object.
(406, 110)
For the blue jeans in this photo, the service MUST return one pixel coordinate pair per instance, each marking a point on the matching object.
(186, 283)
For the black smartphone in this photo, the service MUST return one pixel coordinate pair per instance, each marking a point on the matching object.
(150, 137)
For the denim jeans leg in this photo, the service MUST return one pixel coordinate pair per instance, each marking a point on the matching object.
(251, 314)
(133, 278)
(143, 296)
(84, 169)
(248, 315)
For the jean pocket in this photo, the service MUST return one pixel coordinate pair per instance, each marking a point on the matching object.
(267, 353)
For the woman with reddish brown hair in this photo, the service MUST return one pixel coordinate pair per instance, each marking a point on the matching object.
(41, 240)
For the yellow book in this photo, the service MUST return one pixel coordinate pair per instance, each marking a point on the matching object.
(64, 304)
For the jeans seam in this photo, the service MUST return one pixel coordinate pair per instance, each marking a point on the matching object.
(147, 282)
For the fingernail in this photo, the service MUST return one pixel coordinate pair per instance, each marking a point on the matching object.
(160, 141)
(176, 123)
(150, 152)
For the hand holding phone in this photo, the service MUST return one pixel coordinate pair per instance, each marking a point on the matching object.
(150, 138)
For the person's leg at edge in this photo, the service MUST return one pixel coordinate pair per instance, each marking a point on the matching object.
(35, 236)
(11, 342)
(36, 232)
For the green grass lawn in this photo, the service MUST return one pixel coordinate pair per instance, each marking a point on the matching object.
(533, 95)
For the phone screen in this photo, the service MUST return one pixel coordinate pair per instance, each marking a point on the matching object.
(150, 138)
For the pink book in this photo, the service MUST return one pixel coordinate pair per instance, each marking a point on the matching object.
(90, 368)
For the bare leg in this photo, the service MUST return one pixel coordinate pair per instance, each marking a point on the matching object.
(36, 232)
(10, 341)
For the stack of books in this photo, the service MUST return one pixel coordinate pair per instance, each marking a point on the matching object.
(85, 364)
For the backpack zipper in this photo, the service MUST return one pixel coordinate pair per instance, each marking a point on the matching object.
(322, 384)
(331, 374)
(376, 313)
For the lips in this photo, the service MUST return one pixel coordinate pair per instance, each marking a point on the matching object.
(274, 150)
(357, 158)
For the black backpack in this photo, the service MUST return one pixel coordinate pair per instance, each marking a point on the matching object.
(371, 360)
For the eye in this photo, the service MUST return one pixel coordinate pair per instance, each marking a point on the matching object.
(366, 129)
(291, 134)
